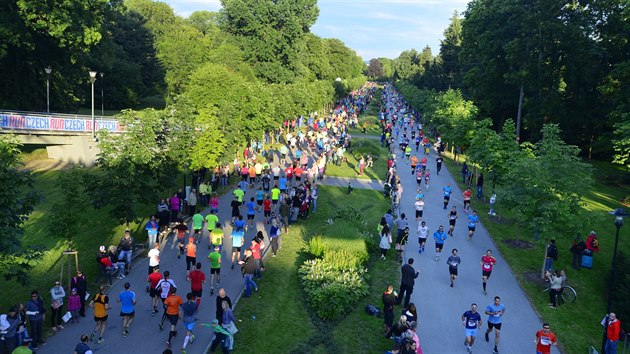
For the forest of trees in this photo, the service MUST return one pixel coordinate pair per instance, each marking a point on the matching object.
(554, 62)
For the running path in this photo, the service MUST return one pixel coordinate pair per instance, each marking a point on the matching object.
(145, 336)
(440, 307)
(354, 182)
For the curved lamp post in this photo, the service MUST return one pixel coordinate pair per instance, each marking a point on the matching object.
(92, 80)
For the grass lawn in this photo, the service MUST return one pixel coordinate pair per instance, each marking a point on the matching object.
(576, 325)
(358, 148)
(369, 118)
(280, 306)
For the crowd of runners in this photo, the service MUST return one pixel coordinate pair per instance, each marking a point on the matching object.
(277, 185)
(410, 150)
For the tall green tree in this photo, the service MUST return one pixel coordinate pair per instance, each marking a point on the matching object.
(18, 201)
(450, 47)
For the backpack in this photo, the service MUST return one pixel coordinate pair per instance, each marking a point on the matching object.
(373, 310)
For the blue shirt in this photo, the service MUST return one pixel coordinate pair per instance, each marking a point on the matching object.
(439, 237)
(239, 224)
(189, 309)
(298, 154)
(152, 227)
(447, 191)
(126, 299)
(237, 238)
(282, 183)
(472, 220)
(495, 308)
(260, 195)
(251, 208)
(472, 319)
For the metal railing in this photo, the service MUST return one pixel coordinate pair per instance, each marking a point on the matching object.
(57, 115)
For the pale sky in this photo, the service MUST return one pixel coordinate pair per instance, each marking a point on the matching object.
(373, 28)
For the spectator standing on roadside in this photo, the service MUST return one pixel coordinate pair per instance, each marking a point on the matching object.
(78, 282)
(36, 314)
(613, 330)
(552, 255)
(152, 227)
(389, 300)
(407, 281)
(57, 293)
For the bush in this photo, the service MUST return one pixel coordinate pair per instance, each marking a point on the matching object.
(342, 259)
(348, 213)
(316, 246)
(329, 291)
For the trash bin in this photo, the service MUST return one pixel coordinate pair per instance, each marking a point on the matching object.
(587, 259)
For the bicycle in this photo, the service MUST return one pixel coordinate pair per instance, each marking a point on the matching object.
(567, 295)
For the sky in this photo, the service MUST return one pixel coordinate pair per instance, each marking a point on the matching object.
(373, 28)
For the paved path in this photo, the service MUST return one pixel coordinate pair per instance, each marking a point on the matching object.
(440, 307)
(354, 182)
(145, 337)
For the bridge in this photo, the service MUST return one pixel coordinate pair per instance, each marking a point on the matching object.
(67, 137)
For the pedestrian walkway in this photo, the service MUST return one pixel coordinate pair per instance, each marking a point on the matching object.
(354, 182)
(440, 307)
(145, 336)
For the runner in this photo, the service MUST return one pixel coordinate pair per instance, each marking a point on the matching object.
(216, 237)
(473, 220)
(172, 304)
(419, 206)
(127, 299)
(447, 194)
(423, 233)
(275, 195)
(181, 229)
(191, 254)
(152, 281)
(452, 218)
(453, 263)
(251, 212)
(439, 236)
(215, 268)
(189, 310)
(487, 262)
(100, 303)
(545, 339)
(495, 314)
(197, 224)
(427, 177)
(414, 163)
(471, 320)
(164, 287)
(467, 194)
(237, 242)
(196, 279)
(267, 209)
(438, 164)
(236, 212)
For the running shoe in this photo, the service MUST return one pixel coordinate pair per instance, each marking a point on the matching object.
(126, 329)
(168, 343)
(100, 340)
(495, 351)
(161, 327)
(469, 348)
(485, 292)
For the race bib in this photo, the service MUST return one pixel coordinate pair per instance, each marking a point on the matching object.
(472, 323)
(486, 266)
(545, 340)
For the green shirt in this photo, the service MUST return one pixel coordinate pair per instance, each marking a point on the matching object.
(215, 259)
(275, 194)
(239, 194)
(216, 236)
(212, 221)
(22, 350)
(197, 221)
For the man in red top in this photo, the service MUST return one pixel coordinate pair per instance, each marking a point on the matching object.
(172, 304)
(467, 194)
(545, 339)
(613, 327)
(289, 172)
(152, 282)
(298, 173)
(196, 279)
(487, 262)
(267, 209)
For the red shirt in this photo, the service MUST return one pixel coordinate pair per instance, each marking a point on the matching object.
(544, 341)
(298, 172)
(289, 172)
(467, 194)
(612, 331)
(196, 278)
(488, 262)
(267, 205)
(154, 278)
(255, 250)
(106, 262)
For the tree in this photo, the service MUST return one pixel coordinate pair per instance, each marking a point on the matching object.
(18, 202)
(375, 69)
(450, 47)
(621, 144)
(453, 117)
(406, 66)
(67, 214)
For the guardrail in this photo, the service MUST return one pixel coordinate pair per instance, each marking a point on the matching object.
(29, 121)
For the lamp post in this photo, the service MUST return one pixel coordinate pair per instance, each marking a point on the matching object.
(48, 71)
(619, 214)
(102, 89)
(92, 79)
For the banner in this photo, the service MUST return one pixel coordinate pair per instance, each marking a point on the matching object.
(20, 122)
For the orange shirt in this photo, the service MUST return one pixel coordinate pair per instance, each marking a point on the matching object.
(252, 172)
(414, 161)
(172, 303)
(191, 249)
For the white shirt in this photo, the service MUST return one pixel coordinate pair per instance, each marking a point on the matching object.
(154, 255)
(423, 231)
(419, 205)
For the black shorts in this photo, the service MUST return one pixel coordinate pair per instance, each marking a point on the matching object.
(259, 202)
(235, 213)
(267, 213)
(275, 178)
(197, 231)
(298, 178)
(274, 201)
(494, 325)
(439, 245)
(100, 319)
(486, 273)
(215, 270)
(471, 228)
(452, 222)
(130, 314)
(236, 249)
(467, 202)
(452, 270)
(419, 213)
(251, 217)
(172, 319)
(154, 292)
(447, 198)
(196, 293)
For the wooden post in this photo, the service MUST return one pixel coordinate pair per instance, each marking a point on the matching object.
(69, 253)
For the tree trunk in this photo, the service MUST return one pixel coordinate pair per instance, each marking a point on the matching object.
(542, 271)
(518, 114)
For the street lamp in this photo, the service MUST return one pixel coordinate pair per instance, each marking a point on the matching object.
(92, 79)
(619, 213)
(48, 71)
(102, 102)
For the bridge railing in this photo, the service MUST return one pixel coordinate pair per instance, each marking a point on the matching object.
(56, 122)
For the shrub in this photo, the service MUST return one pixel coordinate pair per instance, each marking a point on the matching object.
(348, 213)
(316, 246)
(329, 291)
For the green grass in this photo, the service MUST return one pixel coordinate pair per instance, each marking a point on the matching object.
(358, 148)
(280, 303)
(576, 325)
(369, 118)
